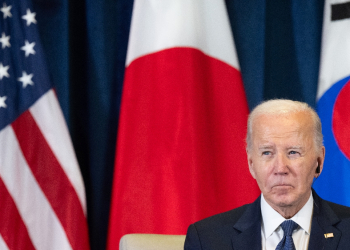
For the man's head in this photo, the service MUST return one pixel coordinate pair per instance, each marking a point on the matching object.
(285, 152)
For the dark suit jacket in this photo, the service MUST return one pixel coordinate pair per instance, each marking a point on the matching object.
(240, 228)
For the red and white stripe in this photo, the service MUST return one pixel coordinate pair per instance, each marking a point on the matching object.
(40, 181)
(3, 244)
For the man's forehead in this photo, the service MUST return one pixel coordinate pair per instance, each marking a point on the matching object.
(294, 120)
(291, 130)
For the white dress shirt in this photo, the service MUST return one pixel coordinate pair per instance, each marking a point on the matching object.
(272, 233)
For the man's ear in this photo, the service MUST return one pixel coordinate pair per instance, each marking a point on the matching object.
(250, 164)
(320, 161)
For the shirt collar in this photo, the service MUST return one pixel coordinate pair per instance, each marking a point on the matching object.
(272, 219)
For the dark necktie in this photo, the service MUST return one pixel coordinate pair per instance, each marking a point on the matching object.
(287, 243)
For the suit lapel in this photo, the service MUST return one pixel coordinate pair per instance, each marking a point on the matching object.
(247, 230)
(323, 221)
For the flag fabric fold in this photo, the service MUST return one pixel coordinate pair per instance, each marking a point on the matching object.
(333, 102)
(180, 153)
(41, 189)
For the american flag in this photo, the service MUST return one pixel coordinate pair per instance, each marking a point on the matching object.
(42, 197)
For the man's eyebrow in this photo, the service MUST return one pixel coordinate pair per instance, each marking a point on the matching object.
(295, 147)
(265, 147)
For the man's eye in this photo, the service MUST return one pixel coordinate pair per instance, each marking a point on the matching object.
(293, 152)
(266, 153)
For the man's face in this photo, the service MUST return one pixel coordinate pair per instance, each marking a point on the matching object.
(283, 159)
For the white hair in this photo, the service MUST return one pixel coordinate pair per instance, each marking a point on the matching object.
(283, 106)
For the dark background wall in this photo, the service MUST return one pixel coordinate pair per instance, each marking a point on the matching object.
(85, 41)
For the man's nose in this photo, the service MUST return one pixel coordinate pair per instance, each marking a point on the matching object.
(281, 164)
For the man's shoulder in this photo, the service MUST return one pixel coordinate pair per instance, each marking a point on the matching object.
(219, 220)
(343, 212)
(340, 211)
(214, 232)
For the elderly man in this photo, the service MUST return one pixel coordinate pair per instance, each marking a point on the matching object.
(285, 155)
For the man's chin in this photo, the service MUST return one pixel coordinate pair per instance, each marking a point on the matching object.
(282, 196)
